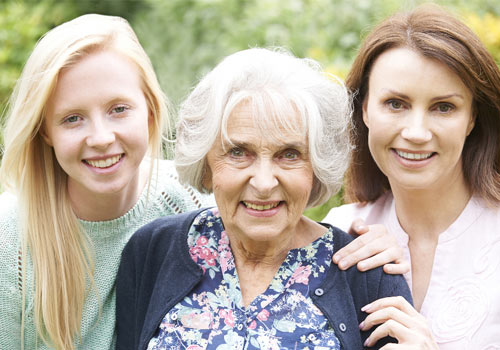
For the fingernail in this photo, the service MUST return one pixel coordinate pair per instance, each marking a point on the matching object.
(342, 265)
(367, 342)
(361, 325)
(336, 258)
(360, 227)
(366, 308)
(361, 265)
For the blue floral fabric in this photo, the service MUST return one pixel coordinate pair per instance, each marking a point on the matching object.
(213, 315)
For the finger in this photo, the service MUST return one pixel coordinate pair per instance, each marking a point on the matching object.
(375, 255)
(398, 302)
(373, 249)
(390, 328)
(375, 232)
(399, 267)
(358, 227)
(396, 346)
(389, 313)
(349, 249)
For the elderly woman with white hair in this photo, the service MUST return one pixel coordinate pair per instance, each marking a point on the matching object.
(266, 133)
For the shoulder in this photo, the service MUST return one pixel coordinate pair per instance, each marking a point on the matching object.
(158, 237)
(371, 212)
(8, 205)
(9, 221)
(177, 198)
(344, 293)
(10, 289)
(376, 282)
(164, 227)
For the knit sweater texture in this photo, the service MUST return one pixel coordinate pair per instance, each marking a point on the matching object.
(165, 196)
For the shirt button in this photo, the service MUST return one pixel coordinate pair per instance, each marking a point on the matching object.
(239, 327)
(319, 292)
(342, 327)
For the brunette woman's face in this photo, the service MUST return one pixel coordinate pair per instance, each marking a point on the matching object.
(419, 113)
(97, 123)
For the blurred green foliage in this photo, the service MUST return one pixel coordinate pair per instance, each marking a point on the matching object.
(186, 38)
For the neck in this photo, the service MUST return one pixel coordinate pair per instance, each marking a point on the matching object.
(427, 213)
(272, 252)
(258, 262)
(108, 206)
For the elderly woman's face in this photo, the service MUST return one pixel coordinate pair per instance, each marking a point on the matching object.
(261, 185)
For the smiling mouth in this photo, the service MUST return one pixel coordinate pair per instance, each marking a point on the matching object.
(414, 156)
(104, 163)
(261, 207)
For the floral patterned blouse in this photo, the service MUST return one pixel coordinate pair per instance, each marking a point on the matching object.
(213, 315)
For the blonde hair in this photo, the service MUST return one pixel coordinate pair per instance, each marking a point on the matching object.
(61, 252)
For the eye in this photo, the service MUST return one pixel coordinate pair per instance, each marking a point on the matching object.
(395, 104)
(290, 154)
(444, 107)
(120, 109)
(236, 152)
(71, 119)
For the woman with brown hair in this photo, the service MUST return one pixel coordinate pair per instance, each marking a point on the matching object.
(426, 129)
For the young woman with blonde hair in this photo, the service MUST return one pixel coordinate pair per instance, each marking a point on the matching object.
(81, 168)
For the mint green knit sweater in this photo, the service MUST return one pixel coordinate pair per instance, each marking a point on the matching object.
(166, 197)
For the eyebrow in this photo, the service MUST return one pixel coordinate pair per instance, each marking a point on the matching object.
(437, 98)
(397, 93)
(444, 97)
(243, 144)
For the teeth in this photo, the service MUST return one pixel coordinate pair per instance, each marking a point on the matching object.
(414, 156)
(260, 207)
(104, 163)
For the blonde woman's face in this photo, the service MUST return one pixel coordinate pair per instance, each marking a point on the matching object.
(97, 123)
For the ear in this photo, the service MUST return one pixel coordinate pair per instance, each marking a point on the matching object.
(206, 180)
(45, 136)
(472, 122)
(150, 118)
(365, 114)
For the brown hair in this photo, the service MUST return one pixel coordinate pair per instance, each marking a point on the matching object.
(435, 34)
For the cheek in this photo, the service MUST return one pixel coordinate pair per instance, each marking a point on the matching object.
(227, 182)
(300, 186)
(65, 146)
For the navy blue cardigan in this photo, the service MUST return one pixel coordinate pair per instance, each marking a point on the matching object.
(157, 272)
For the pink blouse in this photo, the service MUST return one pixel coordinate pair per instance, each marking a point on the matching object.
(462, 304)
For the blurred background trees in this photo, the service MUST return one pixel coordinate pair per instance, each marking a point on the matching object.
(186, 38)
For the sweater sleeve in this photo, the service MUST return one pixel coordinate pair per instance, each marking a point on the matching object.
(10, 277)
(174, 197)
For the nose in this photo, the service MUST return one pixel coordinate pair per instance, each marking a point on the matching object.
(263, 178)
(101, 135)
(416, 129)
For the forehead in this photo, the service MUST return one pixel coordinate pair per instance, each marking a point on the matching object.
(100, 75)
(250, 122)
(403, 68)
